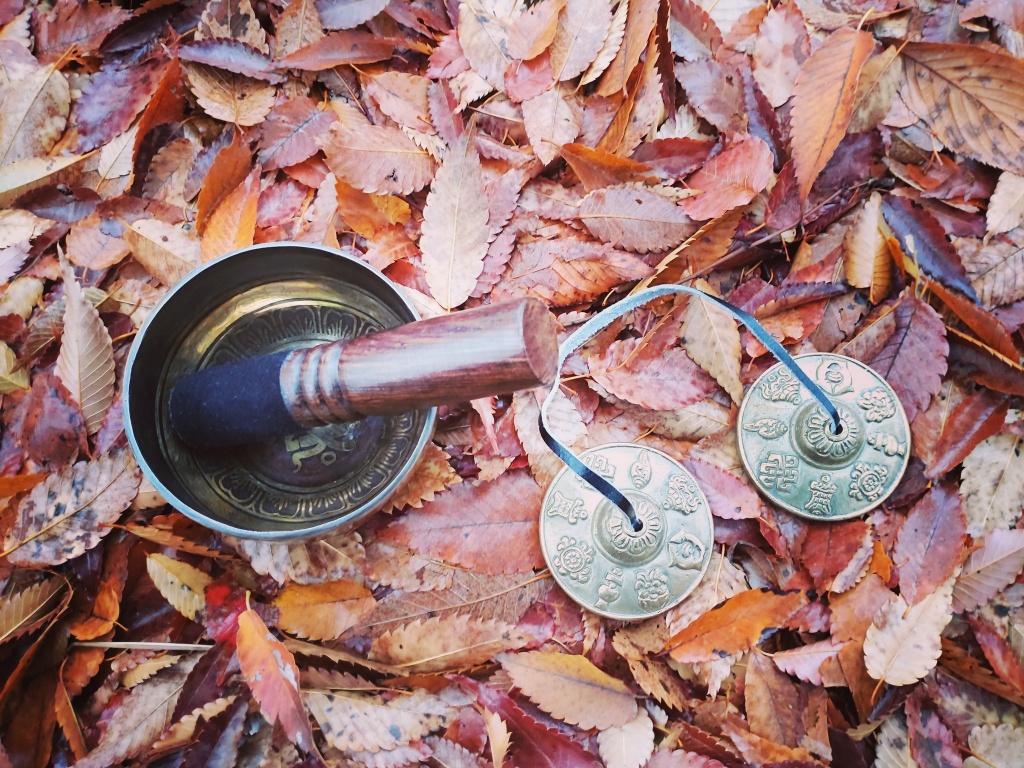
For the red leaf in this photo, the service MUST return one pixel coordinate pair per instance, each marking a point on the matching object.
(730, 179)
(931, 542)
(290, 132)
(931, 742)
(339, 48)
(828, 549)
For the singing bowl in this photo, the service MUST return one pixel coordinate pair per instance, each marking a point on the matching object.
(260, 300)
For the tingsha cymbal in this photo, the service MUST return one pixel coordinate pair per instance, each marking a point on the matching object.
(598, 558)
(796, 457)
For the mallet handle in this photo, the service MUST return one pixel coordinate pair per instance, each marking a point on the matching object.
(490, 350)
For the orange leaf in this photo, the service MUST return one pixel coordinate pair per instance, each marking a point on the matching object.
(734, 626)
(271, 674)
(323, 611)
(730, 179)
(823, 101)
(233, 224)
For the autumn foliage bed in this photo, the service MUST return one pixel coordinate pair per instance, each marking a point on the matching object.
(849, 171)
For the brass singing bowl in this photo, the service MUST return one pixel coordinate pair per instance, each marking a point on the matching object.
(260, 300)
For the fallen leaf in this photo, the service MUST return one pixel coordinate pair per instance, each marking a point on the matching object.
(969, 97)
(571, 688)
(903, 642)
(712, 340)
(35, 114)
(635, 219)
(69, 512)
(26, 610)
(781, 47)
(629, 745)
(432, 475)
(339, 49)
(730, 179)
(552, 119)
(346, 14)
(323, 611)
(994, 745)
(450, 642)
(823, 98)
(273, 678)
(377, 159)
(989, 569)
(233, 224)
(868, 261)
(228, 96)
(361, 723)
(11, 378)
(1006, 206)
(641, 17)
(454, 232)
(483, 36)
(930, 543)
(491, 528)
(498, 737)
(306, 562)
(992, 484)
(166, 251)
(181, 584)
(892, 747)
(582, 28)
(734, 626)
(85, 365)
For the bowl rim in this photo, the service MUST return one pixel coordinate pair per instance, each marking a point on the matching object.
(354, 517)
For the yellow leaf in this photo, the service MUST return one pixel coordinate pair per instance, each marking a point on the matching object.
(823, 100)
(449, 642)
(869, 263)
(182, 585)
(10, 379)
(629, 745)
(233, 224)
(712, 339)
(454, 231)
(323, 611)
(85, 364)
(498, 737)
(16, 179)
(571, 688)
(903, 642)
(181, 733)
(1006, 206)
(228, 96)
(20, 612)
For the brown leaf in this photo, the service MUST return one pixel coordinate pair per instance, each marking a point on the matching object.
(273, 678)
(970, 97)
(552, 119)
(26, 610)
(571, 688)
(989, 569)
(305, 562)
(597, 168)
(712, 340)
(182, 585)
(167, 251)
(730, 179)
(365, 724)
(338, 49)
(903, 642)
(484, 39)
(582, 28)
(228, 96)
(930, 543)
(377, 159)
(233, 224)
(229, 166)
(992, 484)
(446, 643)
(69, 513)
(141, 718)
(35, 113)
(734, 626)
(823, 101)
(868, 260)
(23, 176)
(85, 364)
(772, 702)
(1006, 206)
(323, 611)
(491, 528)
(454, 231)
(641, 16)
(635, 219)
(298, 25)
(532, 33)
(963, 426)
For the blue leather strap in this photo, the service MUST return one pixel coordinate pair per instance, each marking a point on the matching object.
(606, 317)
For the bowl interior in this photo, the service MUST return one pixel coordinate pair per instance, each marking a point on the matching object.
(257, 301)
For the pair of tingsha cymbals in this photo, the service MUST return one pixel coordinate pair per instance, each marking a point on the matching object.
(791, 449)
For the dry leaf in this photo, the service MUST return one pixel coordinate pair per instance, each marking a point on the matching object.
(85, 365)
(611, 45)
(361, 723)
(991, 745)
(730, 179)
(823, 99)
(781, 47)
(989, 569)
(483, 35)
(306, 562)
(992, 484)
(228, 96)
(447, 643)
(635, 219)
(168, 252)
(273, 678)
(930, 543)
(233, 224)
(571, 688)
(69, 512)
(892, 748)
(970, 97)
(712, 340)
(629, 745)
(903, 642)
(11, 378)
(454, 231)
(25, 610)
(868, 261)
(346, 14)
(182, 585)
(323, 611)
(552, 119)
(35, 112)
(377, 159)
(23, 176)
(498, 737)
(1006, 206)
(432, 475)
